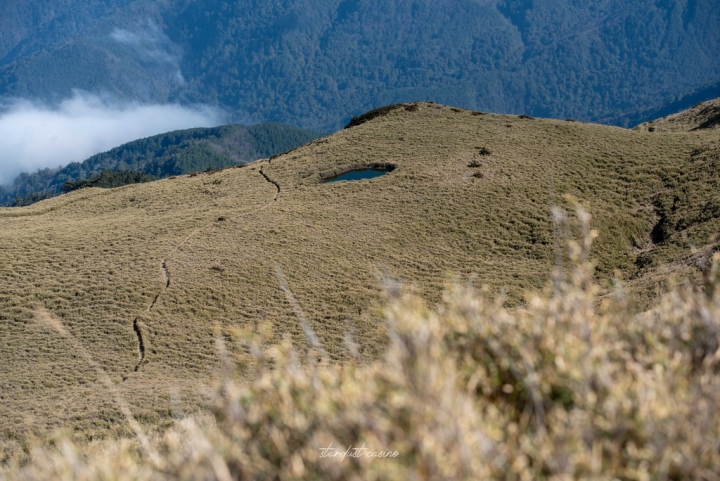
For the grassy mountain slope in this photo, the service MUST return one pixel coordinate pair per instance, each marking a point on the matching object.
(704, 115)
(655, 112)
(315, 64)
(175, 262)
(172, 153)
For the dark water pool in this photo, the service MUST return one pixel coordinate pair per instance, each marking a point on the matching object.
(359, 174)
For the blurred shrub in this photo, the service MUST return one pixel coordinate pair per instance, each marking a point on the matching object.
(569, 386)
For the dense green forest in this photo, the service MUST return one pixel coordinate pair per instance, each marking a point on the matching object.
(107, 179)
(316, 64)
(173, 153)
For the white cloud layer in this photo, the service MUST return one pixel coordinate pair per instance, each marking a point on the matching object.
(34, 136)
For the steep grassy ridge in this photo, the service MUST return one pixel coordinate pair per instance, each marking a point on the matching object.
(702, 116)
(180, 260)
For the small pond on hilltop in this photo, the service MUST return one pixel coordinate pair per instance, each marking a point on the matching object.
(361, 174)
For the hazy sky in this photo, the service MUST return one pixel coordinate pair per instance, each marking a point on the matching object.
(34, 135)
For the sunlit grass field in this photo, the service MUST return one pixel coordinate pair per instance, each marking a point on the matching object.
(571, 386)
(174, 265)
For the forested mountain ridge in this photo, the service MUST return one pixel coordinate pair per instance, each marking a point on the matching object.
(316, 64)
(163, 155)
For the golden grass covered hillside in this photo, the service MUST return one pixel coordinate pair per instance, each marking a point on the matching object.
(702, 116)
(174, 263)
(567, 387)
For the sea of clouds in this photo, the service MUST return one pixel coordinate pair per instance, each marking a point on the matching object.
(36, 135)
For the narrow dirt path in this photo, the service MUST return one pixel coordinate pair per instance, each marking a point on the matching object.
(141, 345)
(53, 322)
(277, 186)
(166, 271)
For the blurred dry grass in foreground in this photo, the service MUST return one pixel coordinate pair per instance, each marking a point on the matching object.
(569, 386)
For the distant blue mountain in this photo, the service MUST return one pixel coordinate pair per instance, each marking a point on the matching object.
(316, 63)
